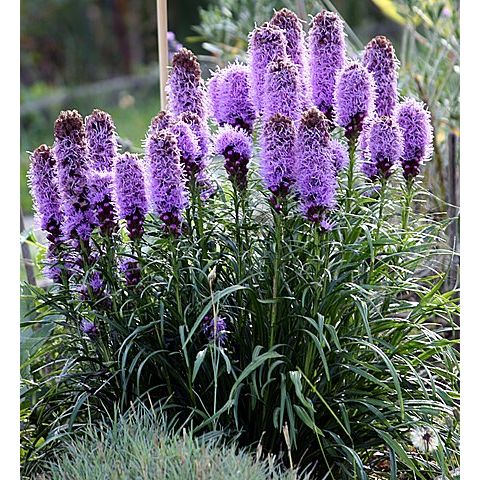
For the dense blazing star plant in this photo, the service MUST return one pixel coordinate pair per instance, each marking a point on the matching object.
(268, 277)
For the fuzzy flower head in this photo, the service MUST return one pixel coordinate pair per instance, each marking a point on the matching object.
(101, 192)
(326, 40)
(340, 155)
(161, 121)
(291, 26)
(282, 93)
(166, 183)
(129, 192)
(315, 168)
(354, 98)
(417, 133)
(230, 97)
(101, 140)
(379, 58)
(384, 149)
(130, 269)
(277, 159)
(70, 153)
(265, 44)
(424, 439)
(215, 329)
(89, 328)
(185, 87)
(188, 146)
(236, 146)
(43, 184)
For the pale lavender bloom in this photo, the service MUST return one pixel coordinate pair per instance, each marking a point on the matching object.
(161, 121)
(379, 58)
(42, 179)
(265, 44)
(277, 159)
(326, 40)
(89, 328)
(185, 87)
(165, 180)
(340, 155)
(282, 92)
(129, 192)
(215, 329)
(214, 95)
(236, 146)
(189, 149)
(315, 168)
(70, 152)
(417, 134)
(101, 140)
(291, 26)
(354, 98)
(385, 147)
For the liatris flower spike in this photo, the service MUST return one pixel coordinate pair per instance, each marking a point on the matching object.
(340, 155)
(44, 189)
(230, 97)
(189, 149)
(379, 59)
(417, 133)
(131, 271)
(291, 26)
(89, 329)
(316, 172)
(70, 152)
(384, 149)
(282, 92)
(129, 192)
(161, 121)
(185, 87)
(354, 98)
(277, 159)
(236, 146)
(326, 40)
(215, 329)
(265, 44)
(166, 183)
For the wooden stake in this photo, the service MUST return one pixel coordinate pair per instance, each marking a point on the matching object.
(162, 28)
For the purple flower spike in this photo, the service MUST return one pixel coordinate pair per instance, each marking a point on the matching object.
(291, 26)
(266, 44)
(417, 133)
(101, 139)
(340, 155)
(277, 160)
(185, 87)
(189, 149)
(166, 184)
(282, 93)
(385, 148)
(326, 40)
(161, 121)
(354, 98)
(129, 192)
(43, 184)
(379, 59)
(230, 97)
(215, 330)
(236, 146)
(89, 329)
(316, 172)
(131, 271)
(70, 152)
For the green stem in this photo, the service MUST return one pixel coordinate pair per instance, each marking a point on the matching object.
(276, 275)
(350, 176)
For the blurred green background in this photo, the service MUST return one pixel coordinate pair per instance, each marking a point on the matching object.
(87, 54)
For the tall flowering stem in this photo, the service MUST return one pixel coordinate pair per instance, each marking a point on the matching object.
(277, 158)
(291, 26)
(379, 58)
(266, 43)
(70, 151)
(326, 40)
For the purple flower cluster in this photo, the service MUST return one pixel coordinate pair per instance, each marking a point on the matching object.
(266, 44)
(70, 152)
(185, 88)
(236, 146)
(131, 271)
(89, 328)
(326, 40)
(165, 181)
(277, 161)
(340, 155)
(282, 90)
(291, 26)
(44, 188)
(354, 98)
(215, 329)
(188, 146)
(379, 59)
(229, 94)
(129, 192)
(316, 171)
(417, 134)
(384, 148)
(161, 121)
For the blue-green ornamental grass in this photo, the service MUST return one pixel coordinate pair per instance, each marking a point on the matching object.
(321, 335)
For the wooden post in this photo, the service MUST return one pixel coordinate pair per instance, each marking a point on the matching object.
(162, 28)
